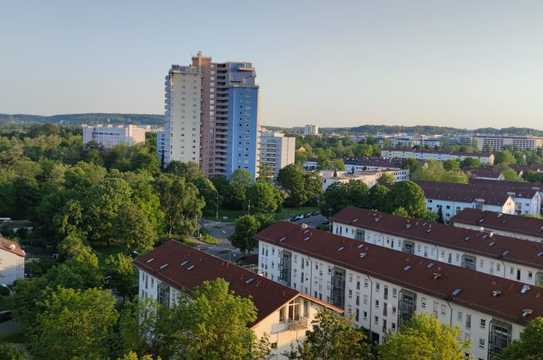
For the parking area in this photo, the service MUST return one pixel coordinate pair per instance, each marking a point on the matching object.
(313, 220)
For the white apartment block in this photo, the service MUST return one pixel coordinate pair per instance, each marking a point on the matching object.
(12, 261)
(310, 130)
(425, 154)
(110, 136)
(368, 177)
(392, 166)
(497, 255)
(283, 314)
(276, 150)
(447, 199)
(497, 143)
(181, 137)
(380, 288)
(515, 226)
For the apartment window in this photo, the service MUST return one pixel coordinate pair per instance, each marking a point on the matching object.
(394, 292)
(365, 299)
(385, 292)
(377, 287)
(481, 343)
(468, 321)
(483, 323)
(358, 285)
(357, 316)
(357, 300)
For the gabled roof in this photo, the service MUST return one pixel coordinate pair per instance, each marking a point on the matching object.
(486, 172)
(521, 188)
(467, 193)
(505, 248)
(375, 161)
(492, 220)
(11, 246)
(185, 268)
(515, 302)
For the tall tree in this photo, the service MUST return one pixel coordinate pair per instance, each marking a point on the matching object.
(218, 324)
(378, 198)
(425, 338)
(291, 179)
(245, 230)
(75, 323)
(528, 347)
(410, 196)
(263, 197)
(122, 274)
(182, 204)
(239, 183)
(332, 337)
(133, 229)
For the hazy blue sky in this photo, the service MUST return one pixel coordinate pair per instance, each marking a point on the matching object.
(335, 63)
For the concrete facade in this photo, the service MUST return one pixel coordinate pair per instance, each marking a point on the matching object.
(110, 136)
(276, 151)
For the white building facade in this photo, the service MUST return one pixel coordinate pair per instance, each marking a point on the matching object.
(110, 136)
(503, 257)
(12, 262)
(380, 303)
(276, 151)
(449, 208)
(497, 142)
(423, 154)
(284, 319)
(180, 140)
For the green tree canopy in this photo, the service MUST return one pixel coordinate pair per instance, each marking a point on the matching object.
(75, 323)
(528, 347)
(410, 196)
(332, 337)
(263, 197)
(425, 338)
(246, 228)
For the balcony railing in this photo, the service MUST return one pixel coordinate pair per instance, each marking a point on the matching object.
(300, 324)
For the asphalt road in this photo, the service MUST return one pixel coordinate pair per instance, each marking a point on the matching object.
(312, 221)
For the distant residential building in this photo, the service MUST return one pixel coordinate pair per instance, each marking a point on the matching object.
(447, 199)
(368, 177)
(311, 130)
(499, 142)
(515, 226)
(12, 261)
(393, 166)
(212, 116)
(426, 154)
(181, 138)
(311, 165)
(173, 270)
(416, 140)
(489, 253)
(110, 136)
(380, 288)
(276, 150)
(528, 196)
(486, 173)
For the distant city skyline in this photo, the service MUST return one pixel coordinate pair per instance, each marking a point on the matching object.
(462, 64)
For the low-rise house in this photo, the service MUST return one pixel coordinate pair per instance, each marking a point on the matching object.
(283, 314)
(447, 199)
(380, 288)
(368, 177)
(12, 261)
(393, 166)
(487, 173)
(427, 154)
(502, 256)
(519, 227)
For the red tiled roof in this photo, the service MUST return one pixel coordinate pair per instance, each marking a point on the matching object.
(463, 192)
(267, 295)
(492, 220)
(375, 161)
(518, 251)
(412, 272)
(11, 246)
(527, 189)
(486, 172)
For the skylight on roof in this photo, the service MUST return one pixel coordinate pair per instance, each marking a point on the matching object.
(360, 246)
(505, 253)
(306, 238)
(149, 260)
(249, 280)
(430, 265)
(185, 262)
(341, 248)
(492, 243)
(467, 238)
(363, 254)
(163, 266)
(190, 267)
(525, 288)
(407, 268)
(283, 239)
(540, 253)
(526, 312)
(456, 292)
(496, 293)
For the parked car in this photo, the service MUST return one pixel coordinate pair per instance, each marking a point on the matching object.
(5, 316)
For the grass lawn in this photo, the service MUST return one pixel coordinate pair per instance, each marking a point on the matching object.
(285, 213)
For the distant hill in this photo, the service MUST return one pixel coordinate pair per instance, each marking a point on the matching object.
(431, 130)
(78, 119)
